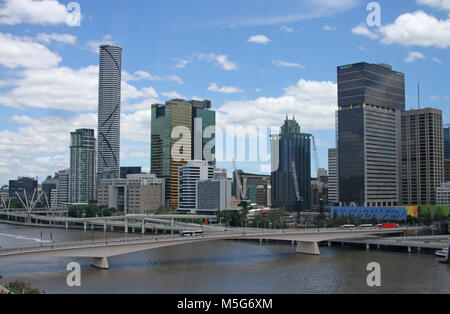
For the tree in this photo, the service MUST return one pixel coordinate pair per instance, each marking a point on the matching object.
(22, 287)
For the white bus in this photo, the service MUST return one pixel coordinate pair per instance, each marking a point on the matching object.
(191, 234)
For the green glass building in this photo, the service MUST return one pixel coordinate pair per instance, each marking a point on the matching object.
(177, 136)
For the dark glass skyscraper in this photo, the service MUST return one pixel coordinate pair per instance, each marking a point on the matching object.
(447, 142)
(291, 143)
(109, 111)
(372, 84)
(371, 98)
(23, 188)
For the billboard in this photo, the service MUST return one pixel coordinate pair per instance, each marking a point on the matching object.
(379, 213)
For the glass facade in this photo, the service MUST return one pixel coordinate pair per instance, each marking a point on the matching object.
(373, 84)
(447, 143)
(167, 118)
(291, 143)
(26, 188)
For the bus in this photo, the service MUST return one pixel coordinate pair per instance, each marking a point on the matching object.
(348, 227)
(192, 234)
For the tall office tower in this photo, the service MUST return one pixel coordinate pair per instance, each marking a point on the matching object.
(203, 123)
(333, 184)
(173, 141)
(109, 111)
(447, 142)
(47, 187)
(24, 188)
(371, 98)
(423, 156)
(82, 166)
(447, 154)
(291, 144)
(189, 175)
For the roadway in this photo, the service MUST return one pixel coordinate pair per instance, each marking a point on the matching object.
(307, 243)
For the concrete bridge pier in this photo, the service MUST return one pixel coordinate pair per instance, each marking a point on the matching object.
(85, 226)
(126, 225)
(100, 263)
(311, 248)
(104, 226)
(67, 225)
(143, 226)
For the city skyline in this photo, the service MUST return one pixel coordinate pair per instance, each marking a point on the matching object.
(254, 64)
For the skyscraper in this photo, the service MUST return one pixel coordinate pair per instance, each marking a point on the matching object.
(109, 111)
(333, 184)
(423, 152)
(291, 144)
(82, 166)
(447, 143)
(174, 140)
(371, 99)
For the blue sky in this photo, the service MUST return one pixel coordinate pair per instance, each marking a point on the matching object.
(257, 60)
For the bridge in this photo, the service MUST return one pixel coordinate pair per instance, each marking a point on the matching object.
(162, 223)
(307, 243)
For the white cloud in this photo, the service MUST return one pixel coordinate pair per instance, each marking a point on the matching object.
(436, 4)
(143, 75)
(313, 103)
(287, 29)
(55, 88)
(281, 63)
(362, 30)
(14, 12)
(94, 45)
(414, 56)
(329, 28)
(173, 95)
(62, 38)
(417, 29)
(309, 9)
(259, 39)
(213, 87)
(219, 60)
(437, 60)
(19, 52)
(181, 63)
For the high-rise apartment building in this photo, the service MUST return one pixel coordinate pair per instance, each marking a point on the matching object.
(422, 156)
(290, 145)
(109, 111)
(178, 136)
(371, 98)
(333, 184)
(60, 198)
(189, 175)
(82, 166)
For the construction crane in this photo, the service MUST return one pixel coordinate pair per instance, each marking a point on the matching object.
(238, 181)
(298, 196)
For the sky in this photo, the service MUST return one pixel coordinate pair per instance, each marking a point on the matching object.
(257, 60)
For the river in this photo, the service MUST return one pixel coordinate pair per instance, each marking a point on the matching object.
(224, 267)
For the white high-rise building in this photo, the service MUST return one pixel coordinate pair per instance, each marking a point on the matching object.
(109, 112)
(188, 175)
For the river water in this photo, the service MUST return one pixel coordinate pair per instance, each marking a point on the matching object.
(229, 267)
